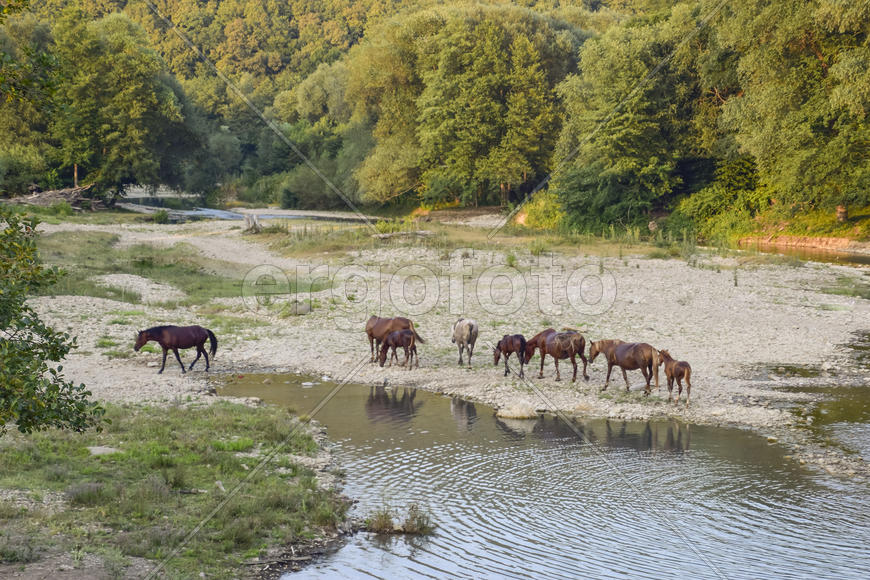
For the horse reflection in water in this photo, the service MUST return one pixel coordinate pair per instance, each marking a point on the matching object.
(464, 413)
(385, 405)
(649, 436)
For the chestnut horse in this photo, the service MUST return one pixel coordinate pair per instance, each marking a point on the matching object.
(537, 342)
(510, 343)
(678, 370)
(633, 356)
(604, 347)
(400, 338)
(378, 328)
(175, 337)
(562, 345)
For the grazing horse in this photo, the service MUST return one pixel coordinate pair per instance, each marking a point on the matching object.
(632, 356)
(464, 336)
(400, 338)
(562, 345)
(678, 370)
(175, 337)
(510, 343)
(378, 328)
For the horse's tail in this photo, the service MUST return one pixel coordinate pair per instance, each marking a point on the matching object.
(522, 347)
(656, 360)
(213, 340)
(417, 336)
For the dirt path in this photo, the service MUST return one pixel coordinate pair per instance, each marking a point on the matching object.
(736, 329)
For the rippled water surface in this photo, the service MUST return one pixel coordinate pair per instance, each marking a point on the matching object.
(529, 499)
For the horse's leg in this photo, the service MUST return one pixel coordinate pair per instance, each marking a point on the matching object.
(178, 358)
(679, 390)
(205, 354)
(607, 380)
(404, 362)
(522, 358)
(671, 388)
(543, 356)
(574, 362)
(688, 390)
(460, 353)
(558, 376)
(199, 352)
(585, 362)
(372, 347)
(164, 361)
(625, 376)
(470, 352)
(506, 369)
(647, 375)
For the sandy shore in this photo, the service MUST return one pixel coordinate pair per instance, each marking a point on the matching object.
(740, 331)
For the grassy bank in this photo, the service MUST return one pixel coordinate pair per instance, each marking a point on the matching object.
(170, 470)
(84, 255)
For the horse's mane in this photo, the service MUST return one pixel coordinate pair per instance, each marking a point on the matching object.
(159, 328)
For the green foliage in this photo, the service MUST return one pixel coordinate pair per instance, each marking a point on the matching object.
(544, 212)
(33, 393)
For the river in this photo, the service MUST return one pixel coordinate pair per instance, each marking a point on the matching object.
(598, 498)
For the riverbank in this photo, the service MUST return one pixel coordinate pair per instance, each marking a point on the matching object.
(737, 319)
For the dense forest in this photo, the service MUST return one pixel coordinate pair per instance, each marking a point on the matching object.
(707, 112)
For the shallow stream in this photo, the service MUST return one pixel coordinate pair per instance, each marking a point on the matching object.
(598, 498)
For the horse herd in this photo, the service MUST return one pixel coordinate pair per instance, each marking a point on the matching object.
(389, 334)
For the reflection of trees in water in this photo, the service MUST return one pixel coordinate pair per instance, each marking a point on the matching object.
(637, 435)
(386, 405)
(464, 413)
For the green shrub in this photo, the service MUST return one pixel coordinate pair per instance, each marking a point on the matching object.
(545, 211)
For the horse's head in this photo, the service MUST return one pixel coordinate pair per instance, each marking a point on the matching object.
(141, 339)
(496, 353)
(593, 351)
(664, 356)
(527, 354)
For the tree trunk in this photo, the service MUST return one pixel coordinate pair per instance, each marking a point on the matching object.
(75, 174)
(842, 213)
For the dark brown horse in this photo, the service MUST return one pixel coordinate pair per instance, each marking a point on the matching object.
(400, 338)
(678, 370)
(510, 343)
(175, 337)
(562, 345)
(378, 328)
(631, 356)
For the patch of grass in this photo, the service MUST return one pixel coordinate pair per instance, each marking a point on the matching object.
(86, 255)
(511, 260)
(848, 286)
(146, 498)
(8, 510)
(120, 321)
(381, 521)
(418, 521)
(106, 342)
(242, 444)
(112, 354)
(18, 548)
(150, 348)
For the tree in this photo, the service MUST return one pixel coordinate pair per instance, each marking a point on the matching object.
(803, 108)
(33, 393)
(120, 116)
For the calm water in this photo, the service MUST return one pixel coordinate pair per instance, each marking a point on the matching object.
(531, 499)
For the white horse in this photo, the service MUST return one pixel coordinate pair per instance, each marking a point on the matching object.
(464, 336)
